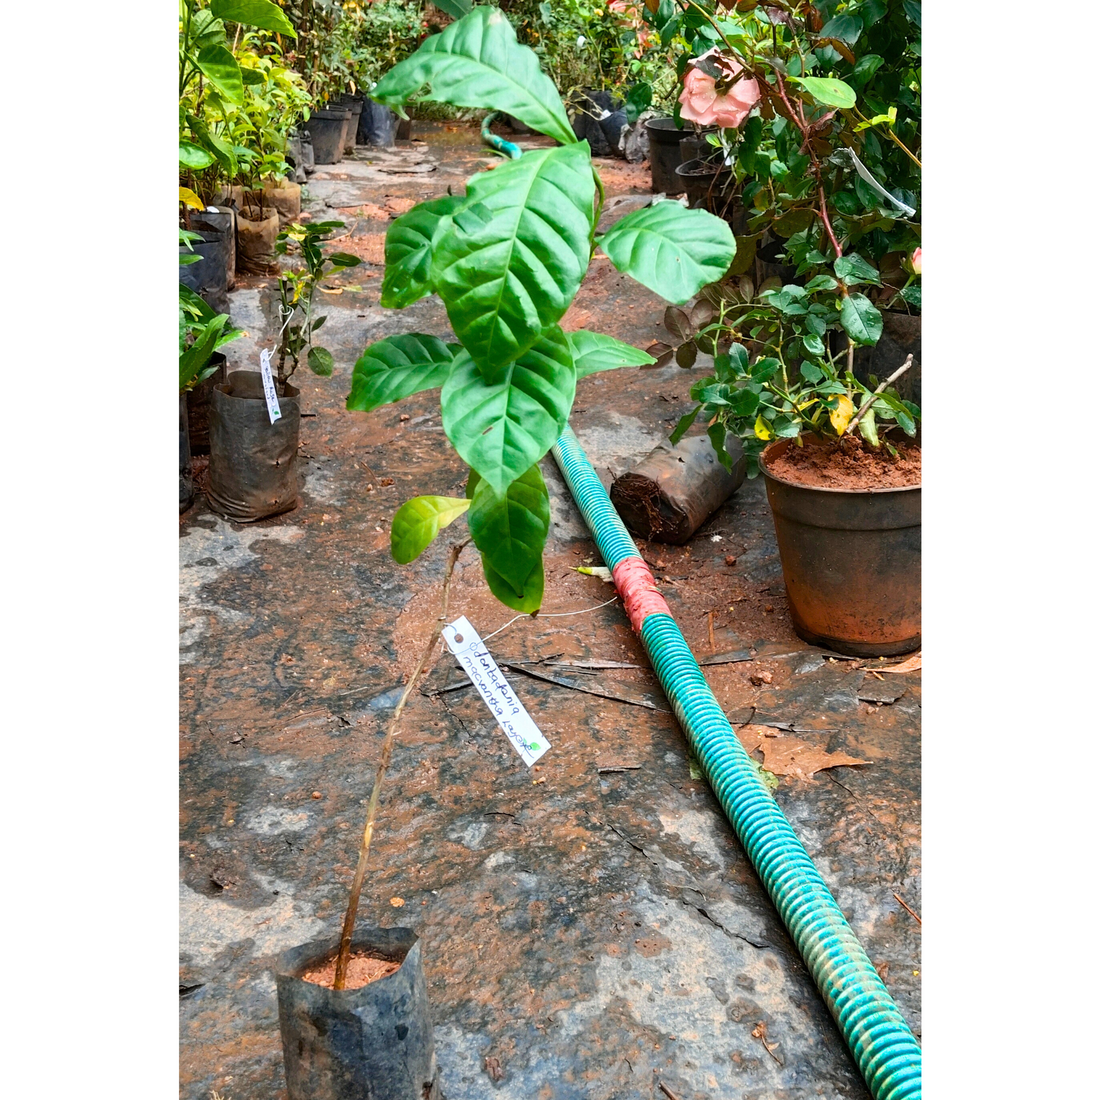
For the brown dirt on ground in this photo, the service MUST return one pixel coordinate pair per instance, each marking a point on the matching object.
(362, 970)
(847, 464)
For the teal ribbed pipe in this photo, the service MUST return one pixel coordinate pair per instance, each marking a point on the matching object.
(501, 145)
(880, 1040)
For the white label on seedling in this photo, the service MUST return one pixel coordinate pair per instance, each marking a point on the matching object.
(273, 410)
(466, 644)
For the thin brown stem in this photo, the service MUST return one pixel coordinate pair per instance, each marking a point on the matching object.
(882, 386)
(344, 955)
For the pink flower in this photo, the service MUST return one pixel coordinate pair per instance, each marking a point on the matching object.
(725, 100)
(916, 262)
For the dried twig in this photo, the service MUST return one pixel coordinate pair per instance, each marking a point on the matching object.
(344, 956)
(882, 386)
(901, 902)
(667, 1091)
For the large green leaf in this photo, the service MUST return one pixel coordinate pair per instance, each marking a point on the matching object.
(220, 67)
(456, 9)
(477, 62)
(253, 13)
(530, 600)
(673, 251)
(395, 368)
(220, 149)
(514, 254)
(409, 251)
(503, 428)
(592, 352)
(191, 156)
(510, 529)
(860, 319)
(827, 90)
(418, 521)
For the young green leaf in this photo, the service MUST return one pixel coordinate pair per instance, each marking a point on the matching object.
(262, 14)
(478, 62)
(510, 529)
(409, 251)
(853, 268)
(503, 428)
(592, 352)
(418, 521)
(513, 257)
(827, 90)
(320, 361)
(529, 600)
(191, 156)
(683, 424)
(397, 367)
(220, 67)
(860, 319)
(673, 251)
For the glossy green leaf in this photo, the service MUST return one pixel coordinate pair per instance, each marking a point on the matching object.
(221, 149)
(846, 27)
(853, 268)
(912, 10)
(477, 62)
(717, 433)
(320, 361)
(868, 428)
(262, 14)
(397, 367)
(343, 259)
(510, 528)
(860, 319)
(821, 282)
(827, 90)
(530, 600)
(191, 156)
(409, 251)
(456, 9)
(673, 251)
(514, 254)
(898, 411)
(592, 352)
(683, 424)
(503, 428)
(418, 521)
(220, 67)
(911, 295)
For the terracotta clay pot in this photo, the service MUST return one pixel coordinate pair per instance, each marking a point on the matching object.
(851, 562)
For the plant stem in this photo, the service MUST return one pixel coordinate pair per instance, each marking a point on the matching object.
(344, 955)
(882, 386)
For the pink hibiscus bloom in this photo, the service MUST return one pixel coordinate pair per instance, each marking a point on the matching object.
(916, 262)
(725, 100)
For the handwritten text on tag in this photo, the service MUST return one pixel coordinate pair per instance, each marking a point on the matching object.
(466, 644)
(273, 410)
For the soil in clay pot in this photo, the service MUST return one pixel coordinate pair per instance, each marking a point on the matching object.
(848, 464)
(362, 970)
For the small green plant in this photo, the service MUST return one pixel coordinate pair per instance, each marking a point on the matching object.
(789, 380)
(507, 259)
(202, 331)
(297, 288)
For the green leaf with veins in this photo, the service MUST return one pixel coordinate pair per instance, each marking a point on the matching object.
(397, 367)
(513, 257)
(407, 278)
(477, 62)
(592, 352)
(503, 428)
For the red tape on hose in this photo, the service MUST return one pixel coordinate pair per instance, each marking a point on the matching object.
(639, 591)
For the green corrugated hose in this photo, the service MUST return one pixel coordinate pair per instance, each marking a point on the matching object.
(880, 1040)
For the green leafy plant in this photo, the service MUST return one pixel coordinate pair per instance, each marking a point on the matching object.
(507, 259)
(297, 289)
(211, 80)
(202, 332)
(794, 375)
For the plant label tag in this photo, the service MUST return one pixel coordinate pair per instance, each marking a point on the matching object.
(273, 410)
(466, 644)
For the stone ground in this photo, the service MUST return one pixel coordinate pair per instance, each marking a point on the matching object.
(586, 933)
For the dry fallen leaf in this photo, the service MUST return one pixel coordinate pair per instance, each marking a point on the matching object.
(912, 664)
(787, 755)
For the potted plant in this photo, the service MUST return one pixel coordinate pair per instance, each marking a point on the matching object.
(254, 458)
(506, 259)
(837, 453)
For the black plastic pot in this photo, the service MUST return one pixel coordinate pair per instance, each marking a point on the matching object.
(664, 155)
(373, 1043)
(513, 124)
(187, 484)
(404, 129)
(223, 221)
(326, 128)
(377, 125)
(198, 406)
(590, 105)
(851, 563)
(253, 463)
(355, 105)
(208, 277)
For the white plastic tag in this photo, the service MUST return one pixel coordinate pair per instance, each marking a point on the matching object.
(466, 644)
(273, 410)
